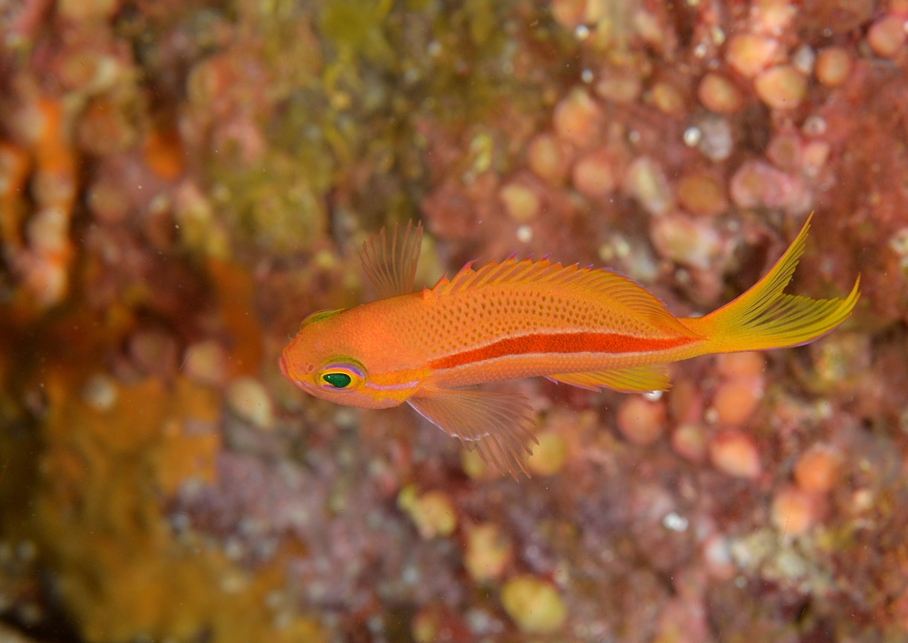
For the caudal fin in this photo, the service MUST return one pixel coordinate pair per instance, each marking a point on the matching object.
(764, 317)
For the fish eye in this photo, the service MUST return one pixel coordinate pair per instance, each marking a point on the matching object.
(337, 380)
(344, 375)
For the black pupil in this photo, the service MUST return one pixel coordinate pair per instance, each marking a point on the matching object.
(337, 380)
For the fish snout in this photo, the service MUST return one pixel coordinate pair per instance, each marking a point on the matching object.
(282, 363)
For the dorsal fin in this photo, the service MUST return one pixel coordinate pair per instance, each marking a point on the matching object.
(390, 262)
(616, 288)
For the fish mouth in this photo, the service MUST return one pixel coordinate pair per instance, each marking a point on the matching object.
(282, 363)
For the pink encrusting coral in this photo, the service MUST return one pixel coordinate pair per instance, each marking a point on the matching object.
(182, 182)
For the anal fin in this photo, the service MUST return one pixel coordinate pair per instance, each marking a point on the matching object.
(635, 379)
(497, 425)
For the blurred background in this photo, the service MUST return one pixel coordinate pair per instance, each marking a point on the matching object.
(181, 182)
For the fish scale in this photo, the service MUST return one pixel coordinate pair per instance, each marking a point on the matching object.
(465, 319)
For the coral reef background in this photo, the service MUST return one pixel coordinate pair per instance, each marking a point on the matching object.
(182, 182)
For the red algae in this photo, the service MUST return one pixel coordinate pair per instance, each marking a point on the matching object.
(781, 87)
(702, 194)
(103, 130)
(549, 157)
(645, 180)
(578, 119)
(749, 54)
(747, 364)
(690, 441)
(569, 13)
(640, 421)
(735, 401)
(833, 66)
(886, 36)
(14, 169)
(685, 400)
(86, 11)
(786, 151)
(181, 184)
(718, 94)
(164, 154)
(42, 262)
(818, 469)
(758, 184)
(735, 453)
(621, 85)
(685, 240)
(668, 99)
(594, 174)
(793, 511)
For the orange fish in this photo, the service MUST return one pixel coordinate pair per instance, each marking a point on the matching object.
(586, 327)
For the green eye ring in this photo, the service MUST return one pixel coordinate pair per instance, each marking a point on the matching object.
(337, 380)
(341, 375)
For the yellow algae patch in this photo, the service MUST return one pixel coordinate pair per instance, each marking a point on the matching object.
(235, 290)
(488, 552)
(549, 455)
(472, 464)
(431, 512)
(122, 572)
(534, 605)
(190, 440)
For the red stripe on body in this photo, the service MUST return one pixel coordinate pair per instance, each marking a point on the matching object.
(560, 343)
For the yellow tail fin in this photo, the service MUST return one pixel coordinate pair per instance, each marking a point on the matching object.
(764, 317)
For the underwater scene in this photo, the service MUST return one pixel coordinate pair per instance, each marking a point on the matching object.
(305, 334)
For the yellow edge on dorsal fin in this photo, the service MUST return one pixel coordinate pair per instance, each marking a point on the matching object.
(634, 379)
(389, 261)
(600, 282)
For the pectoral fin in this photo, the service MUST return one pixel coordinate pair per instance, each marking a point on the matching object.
(636, 379)
(389, 261)
(495, 424)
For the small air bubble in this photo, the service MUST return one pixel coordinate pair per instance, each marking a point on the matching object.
(692, 136)
(621, 247)
(524, 233)
(674, 522)
(804, 59)
(814, 126)
(582, 32)
(586, 76)
(718, 36)
(653, 396)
